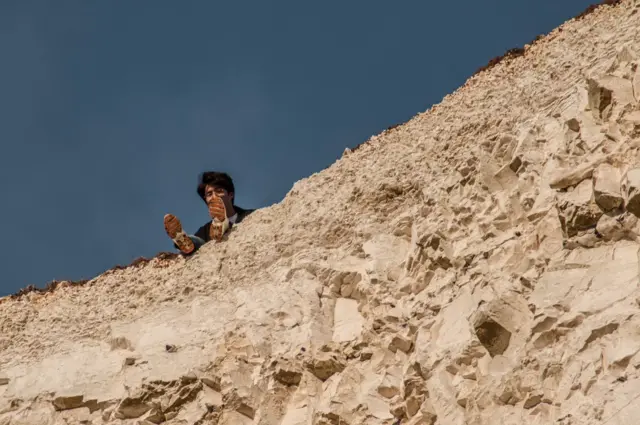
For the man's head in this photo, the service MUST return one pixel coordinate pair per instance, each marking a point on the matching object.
(213, 183)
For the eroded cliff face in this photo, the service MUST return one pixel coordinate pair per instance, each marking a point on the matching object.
(476, 265)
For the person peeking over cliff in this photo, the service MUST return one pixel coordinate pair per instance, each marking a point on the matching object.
(218, 193)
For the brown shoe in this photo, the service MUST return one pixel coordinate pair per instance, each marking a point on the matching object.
(174, 229)
(219, 220)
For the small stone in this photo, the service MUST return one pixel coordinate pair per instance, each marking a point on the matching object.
(388, 391)
(189, 378)
(170, 348)
(246, 410)
(533, 400)
(573, 124)
(68, 402)
(131, 408)
(400, 342)
(4, 380)
(578, 210)
(324, 365)
(389, 387)
(130, 361)
(606, 187)
(288, 375)
(366, 355)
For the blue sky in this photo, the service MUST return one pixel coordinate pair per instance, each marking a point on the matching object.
(109, 110)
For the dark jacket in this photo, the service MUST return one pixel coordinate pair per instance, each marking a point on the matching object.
(203, 232)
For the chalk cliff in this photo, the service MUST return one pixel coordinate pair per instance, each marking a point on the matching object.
(478, 264)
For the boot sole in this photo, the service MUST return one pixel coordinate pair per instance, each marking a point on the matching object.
(173, 228)
(220, 221)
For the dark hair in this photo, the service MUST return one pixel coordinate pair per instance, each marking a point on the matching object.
(217, 179)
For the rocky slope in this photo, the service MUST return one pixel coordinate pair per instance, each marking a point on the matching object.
(476, 265)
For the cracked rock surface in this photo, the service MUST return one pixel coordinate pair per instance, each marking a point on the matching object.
(478, 264)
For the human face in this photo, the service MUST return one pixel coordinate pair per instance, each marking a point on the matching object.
(211, 191)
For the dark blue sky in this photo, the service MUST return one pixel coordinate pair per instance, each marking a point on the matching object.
(109, 110)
